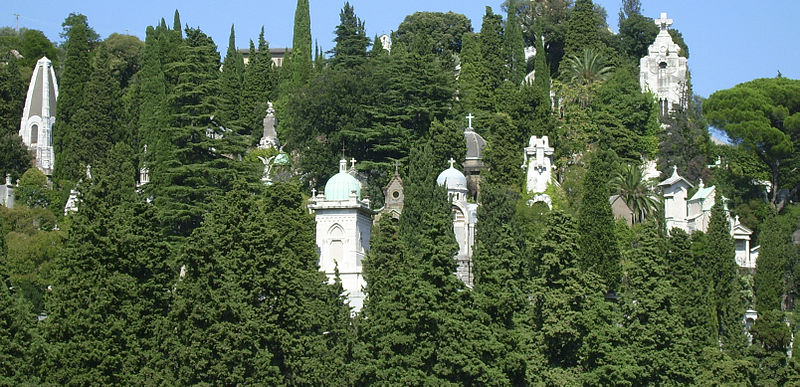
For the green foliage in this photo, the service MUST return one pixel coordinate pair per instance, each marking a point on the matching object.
(492, 70)
(774, 258)
(252, 286)
(260, 79)
(762, 115)
(514, 45)
(446, 31)
(693, 289)
(298, 67)
(719, 253)
(685, 143)
(636, 34)
(124, 52)
(232, 82)
(469, 78)
(502, 154)
(33, 190)
(14, 156)
(583, 33)
(630, 185)
(351, 40)
(587, 68)
(16, 339)
(595, 224)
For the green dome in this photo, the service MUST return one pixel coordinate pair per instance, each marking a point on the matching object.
(340, 185)
(281, 159)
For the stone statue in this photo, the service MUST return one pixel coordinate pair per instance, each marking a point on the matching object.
(270, 136)
(266, 178)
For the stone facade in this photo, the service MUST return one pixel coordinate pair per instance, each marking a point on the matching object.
(663, 72)
(465, 219)
(343, 229)
(694, 214)
(539, 167)
(39, 115)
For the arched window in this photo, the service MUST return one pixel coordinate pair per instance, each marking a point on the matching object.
(34, 134)
(336, 236)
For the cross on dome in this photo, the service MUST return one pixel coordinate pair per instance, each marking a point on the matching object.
(451, 161)
(469, 118)
(352, 162)
(663, 22)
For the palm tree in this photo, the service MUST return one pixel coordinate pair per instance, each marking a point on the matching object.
(630, 185)
(588, 68)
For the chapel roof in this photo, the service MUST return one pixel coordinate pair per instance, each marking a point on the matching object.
(475, 144)
(675, 178)
(342, 184)
(452, 178)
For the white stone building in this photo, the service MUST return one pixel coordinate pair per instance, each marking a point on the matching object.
(694, 214)
(39, 115)
(465, 219)
(663, 72)
(344, 222)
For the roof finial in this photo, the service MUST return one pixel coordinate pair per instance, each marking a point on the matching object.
(342, 150)
(700, 184)
(469, 120)
(352, 162)
(451, 161)
(663, 22)
(674, 169)
(396, 165)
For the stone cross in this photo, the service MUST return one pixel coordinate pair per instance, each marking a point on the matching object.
(470, 117)
(396, 165)
(451, 161)
(352, 162)
(663, 22)
(313, 192)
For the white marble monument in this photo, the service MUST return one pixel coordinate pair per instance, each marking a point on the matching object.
(539, 166)
(39, 115)
(464, 219)
(662, 71)
(343, 221)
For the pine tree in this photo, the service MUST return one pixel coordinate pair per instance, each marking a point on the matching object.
(351, 40)
(773, 260)
(720, 258)
(232, 81)
(515, 46)
(76, 74)
(599, 252)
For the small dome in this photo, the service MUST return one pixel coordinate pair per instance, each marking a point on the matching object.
(475, 144)
(281, 159)
(340, 185)
(455, 180)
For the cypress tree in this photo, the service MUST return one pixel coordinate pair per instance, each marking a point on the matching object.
(693, 291)
(14, 155)
(583, 32)
(773, 259)
(16, 339)
(493, 68)
(469, 79)
(253, 288)
(176, 23)
(351, 40)
(77, 71)
(232, 81)
(94, 126)
(299, 67)
(599, 252)
(152, 92)
(720, 258)
(502, 152)
(258, 86)
(515, 45)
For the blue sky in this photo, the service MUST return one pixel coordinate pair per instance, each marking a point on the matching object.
(729, 41)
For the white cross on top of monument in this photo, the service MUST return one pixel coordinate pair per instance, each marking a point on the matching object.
(469, 118)
(451, 161)
(663, 22)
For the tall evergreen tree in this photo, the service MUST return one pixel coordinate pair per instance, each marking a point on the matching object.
(298, 68)
(351, 40)
(774, 258)
(95, 126)
(76, 74)
(693, 291)
(720, 257)
(493, 70)
(583, 32)
(514, 45)
(599, 251)
(259, 85)
(16, 339)
(232, 82)
(502, 152)
(176, 23)
(253, 306)
(14, 156)
(469, 78)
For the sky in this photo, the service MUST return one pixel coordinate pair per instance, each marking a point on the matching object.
(730, 41)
